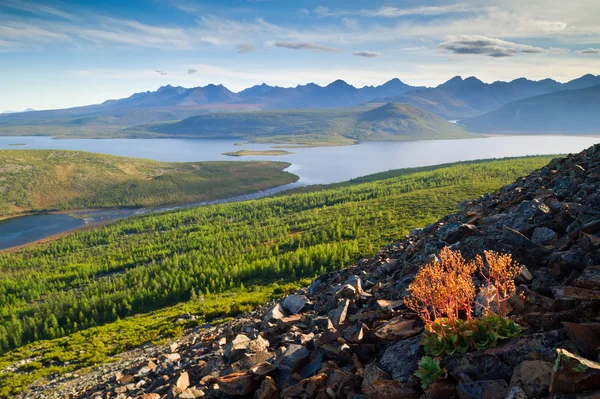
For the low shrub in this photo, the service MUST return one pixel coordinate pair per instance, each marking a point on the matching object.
(443, 295)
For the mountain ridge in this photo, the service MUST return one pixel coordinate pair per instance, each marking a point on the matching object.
(573, 110)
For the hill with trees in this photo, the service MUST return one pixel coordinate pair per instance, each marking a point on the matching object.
(50, 180)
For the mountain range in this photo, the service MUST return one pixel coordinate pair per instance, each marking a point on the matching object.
(461, 98)
(570, 111)
(456, 99)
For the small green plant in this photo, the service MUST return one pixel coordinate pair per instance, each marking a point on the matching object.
(477, 334)
(430, 371)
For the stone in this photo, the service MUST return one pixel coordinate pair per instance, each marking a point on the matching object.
(454, 232)
(294, 357)
(237, 347)
(262, 369)
(390, 389)
(585, 339)
(528, 347)
(258, 345)
(486, 389)
(589, 278)
(515, 393)
(322, 323)
(399, 328)
(574, 374)
(355, 333)
(385, 304)
(191, 393)
(516, 239)
(575, 292)
(277, 312)
(373, 373)
(346, 291)
(306, 388)
(237, 383)
(150, 396)
(337, 351)
(294, 303)
(357, 283)
(267, 390)
(172, 357)
(532, 377)
(543, 235)
(400, 359)
(476, 366)
(183, 381)
(443, 389)
(338, 316)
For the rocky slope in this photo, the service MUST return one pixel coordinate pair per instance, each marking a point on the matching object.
(349, 335)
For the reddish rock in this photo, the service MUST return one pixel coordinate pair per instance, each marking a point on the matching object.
(150, 396)
(306, 388)
(262, 369)
(399, 328)
(590, 278)
(576, 292)
(585, 339)
(237, 383)
(391, 389)
(441, 390)
(373, 373)
(574, 374)
(486, 389)
(267, 390)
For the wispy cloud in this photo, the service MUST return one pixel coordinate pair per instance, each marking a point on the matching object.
(367, 54)
(244, 48)
(307, 46)
(481, 45)
(191, 71)
(589, 51)
(161, 73)
(393, 12)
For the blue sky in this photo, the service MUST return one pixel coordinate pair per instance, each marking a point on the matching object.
(56, 54)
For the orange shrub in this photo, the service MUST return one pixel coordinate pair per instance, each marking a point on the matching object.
(444, 288)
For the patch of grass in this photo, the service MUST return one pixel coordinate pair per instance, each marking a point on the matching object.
(50, 180)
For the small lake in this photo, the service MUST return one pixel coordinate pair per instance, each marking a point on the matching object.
(319, 165)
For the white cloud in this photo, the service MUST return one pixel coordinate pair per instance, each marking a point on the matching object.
(393, 12)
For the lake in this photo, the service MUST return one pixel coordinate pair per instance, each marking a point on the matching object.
(318, 165)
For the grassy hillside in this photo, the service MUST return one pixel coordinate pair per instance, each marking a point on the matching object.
(388, 122)
(95, 286)
(42, 180)
(567, 111)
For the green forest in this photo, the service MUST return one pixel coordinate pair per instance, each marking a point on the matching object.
(217, 255)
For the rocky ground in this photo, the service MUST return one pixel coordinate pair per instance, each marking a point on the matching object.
(349, 335)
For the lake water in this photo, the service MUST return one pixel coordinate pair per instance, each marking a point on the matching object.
(318, 165)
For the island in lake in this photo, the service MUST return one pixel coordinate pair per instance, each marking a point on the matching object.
(266, 153)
